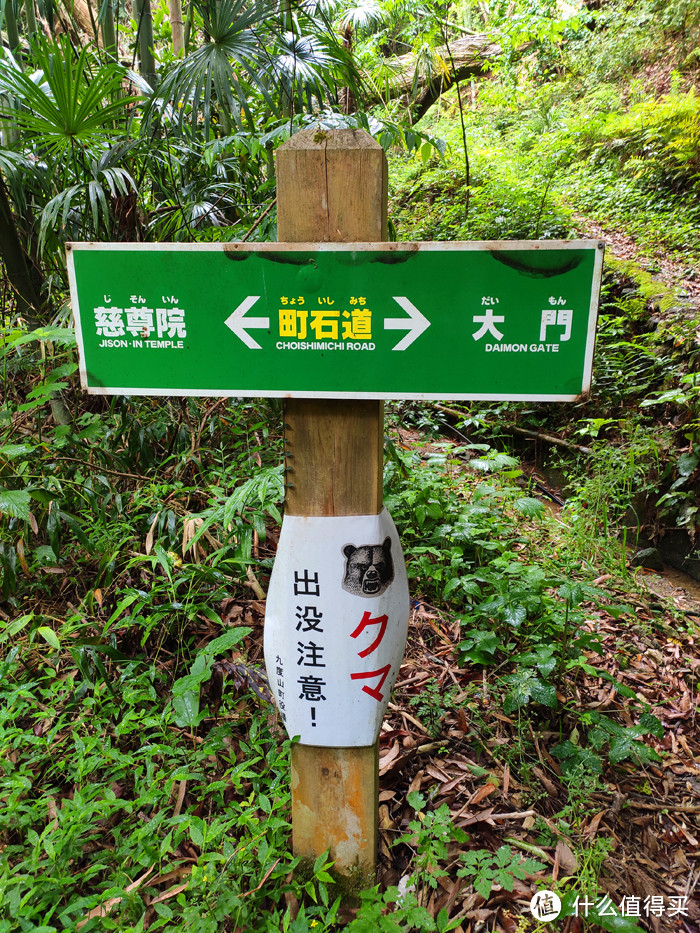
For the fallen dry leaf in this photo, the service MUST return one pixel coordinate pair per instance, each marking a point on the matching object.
(566, 858)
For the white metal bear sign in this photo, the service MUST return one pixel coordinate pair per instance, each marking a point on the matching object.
(335, 626)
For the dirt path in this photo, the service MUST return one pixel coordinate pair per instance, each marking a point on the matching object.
(683, 279)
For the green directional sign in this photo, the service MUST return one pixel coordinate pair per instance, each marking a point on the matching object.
(495, 320)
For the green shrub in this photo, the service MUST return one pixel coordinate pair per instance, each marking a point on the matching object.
(657, 141)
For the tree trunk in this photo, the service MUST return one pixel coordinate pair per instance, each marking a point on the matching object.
(144, 21)
(178, 27)
(82, 14)
(30, 12)
(188, 26)
(9, 133)
(11, 27)
(471, 56)
(109, 34)
(23, 276)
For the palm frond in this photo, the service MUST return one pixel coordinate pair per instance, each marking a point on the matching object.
(363, 15)
(214, 75)
(300, 68)
(319, 7)
(22, 174)
(66, 103)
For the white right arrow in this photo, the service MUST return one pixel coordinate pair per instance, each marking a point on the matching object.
(240, 325)
(415, 324)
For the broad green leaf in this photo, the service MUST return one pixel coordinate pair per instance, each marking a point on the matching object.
(49, 636)
(571, 592)
(210, 614)
(543, 693)
(197, 831)
(623, 689)
(624, 746)
(15, 450)
(687, 463)
(65, 336)
(479, 648)
(651, 724)
(451, 586)
(15, 503)
(542, 659)
(122, 605)
(44, 554)
(524, 686)
(514, 615)
(190, 683)
(9, 661)
(529, 507)
(162, 557)
(43, 495)
(77, 530)
(199, 672)
(95, 644)
(186, 706)
(18, 624)
(46, 390)
(226, 641)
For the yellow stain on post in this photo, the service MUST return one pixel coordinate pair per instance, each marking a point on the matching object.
(334, 793)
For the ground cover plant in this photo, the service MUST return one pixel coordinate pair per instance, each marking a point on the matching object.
(542, 730)
(145, 779)
(585, 125)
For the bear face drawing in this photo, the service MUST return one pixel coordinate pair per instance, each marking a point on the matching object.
(369, 569)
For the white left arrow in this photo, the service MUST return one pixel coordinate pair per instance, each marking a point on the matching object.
(415, 324)
(240, 325)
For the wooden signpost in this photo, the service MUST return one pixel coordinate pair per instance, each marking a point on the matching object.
(333, 330)
(333, 187)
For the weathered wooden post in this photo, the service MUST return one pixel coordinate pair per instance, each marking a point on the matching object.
(332, 187)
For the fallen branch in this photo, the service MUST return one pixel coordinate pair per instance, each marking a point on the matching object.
(524, 432)
(102, 469)
(252, 582)
(260, 219)
(549, 439)
(263, 879)
(519, 815)
(660, 807)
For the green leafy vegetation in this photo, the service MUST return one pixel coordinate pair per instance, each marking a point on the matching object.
(144, 776)
(501, 868)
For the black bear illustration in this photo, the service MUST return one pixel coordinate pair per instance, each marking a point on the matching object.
(369, 568)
